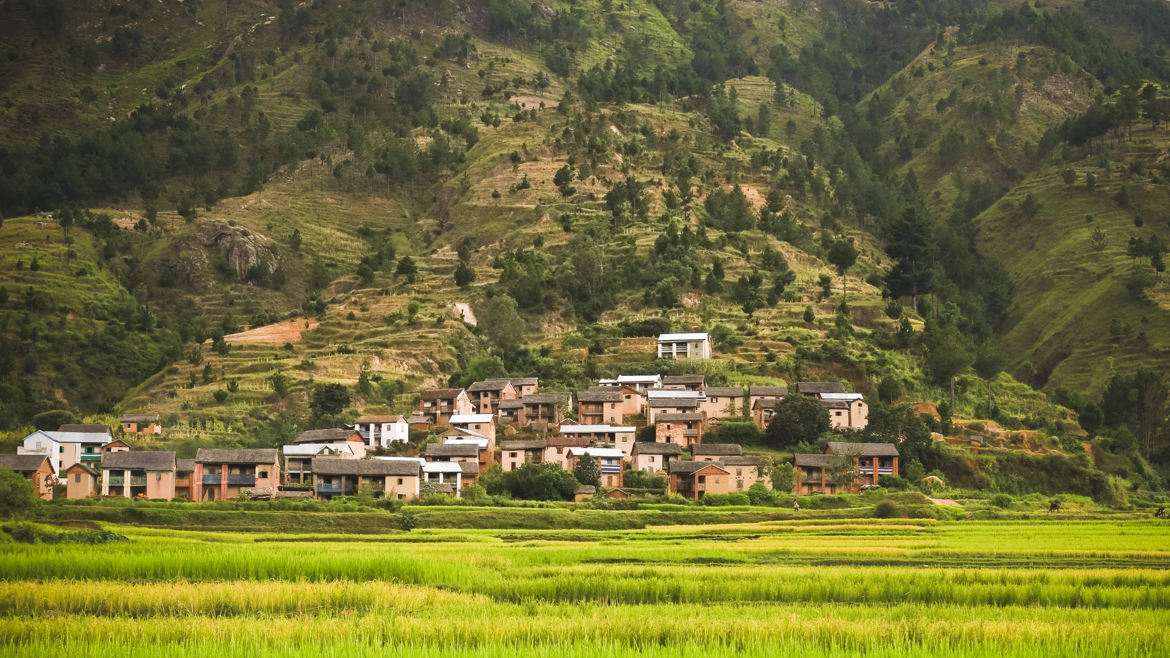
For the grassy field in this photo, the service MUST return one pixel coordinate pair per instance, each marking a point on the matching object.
(831, 587)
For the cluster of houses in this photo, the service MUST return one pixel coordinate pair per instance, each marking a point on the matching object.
(559, 428)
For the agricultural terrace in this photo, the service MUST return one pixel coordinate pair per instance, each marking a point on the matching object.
(898, 587)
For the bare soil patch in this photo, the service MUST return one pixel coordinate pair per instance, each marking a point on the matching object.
(279, 333)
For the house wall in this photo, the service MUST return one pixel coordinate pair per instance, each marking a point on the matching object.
(624, 441)
(405, 487)
(80, 485)
(160, 484)
(42, 480)
(631, 402)
(678, 432)
(650, 463)
(722, 407)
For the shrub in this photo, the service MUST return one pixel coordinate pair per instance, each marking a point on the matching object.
(893, 482)
(886, 509)
(1001, 500)
(406, 522)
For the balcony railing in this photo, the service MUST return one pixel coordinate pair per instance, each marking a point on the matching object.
(336, 489)
(117, 480)
(233, 479)
(611, 469)
(690, 433)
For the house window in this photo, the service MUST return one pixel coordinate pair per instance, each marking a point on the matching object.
(77, 477)
(512, 455)
(399, 480)
(263, 474)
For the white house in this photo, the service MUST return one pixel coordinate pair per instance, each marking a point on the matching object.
(684, 346)
(65, 448)
(381, 431)
(636, 382)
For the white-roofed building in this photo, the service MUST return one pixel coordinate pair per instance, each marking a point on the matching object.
(66, 448)
(684, 346)
(609, 460)
(482, 424)
(621, 436)
(298, 458)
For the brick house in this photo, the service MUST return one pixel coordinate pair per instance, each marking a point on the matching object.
(486, 447)
(298, 458)
(683, 429)
(438, 405)
(542, 411)
(872, 460)
(514, 454)
(146, 474)
(847, 411)
(141, 424)
(600, 406)
(695, 479)
(684, 382)
(762, 402)
(556, 449)
(654, 457)
(480, 424)
(827, 473)
(722, 402)
(382, 478)
(609, 460)
(117, 445)
(80, 481)
(618, 436)
(816, 389)
(486, 395)
(222, 474)
(744, 471)
(36, 468)
(453, 452)
(525, 385)
(184, 475)
(330, 436)
(673, 405)
(715, 451)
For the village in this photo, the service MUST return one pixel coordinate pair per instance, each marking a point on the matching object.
(504, 421)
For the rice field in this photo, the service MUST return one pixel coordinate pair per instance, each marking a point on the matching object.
(827, 588)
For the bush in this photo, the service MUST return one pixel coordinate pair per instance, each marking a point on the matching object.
(1002, 500)
(886, 509)
(406, 522)
(893, 482)
(759, 495)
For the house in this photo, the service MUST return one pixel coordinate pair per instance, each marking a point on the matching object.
(819, 473)
(715, 451)
(637, 382)
(685, 382)
(678, 405)
(80, 481)
(584, 492)
(139, 474)
(37, 468)
(722, 402)
(829, 473)
(481, 424)
(184, 475)
(745, 471)
(762, 402)
(816, 389)
(381, 431)
(514, 454)
(485, 446)
(117, 445)
(508, 412)
(600, 406)
(419, 422)
(66, 447)
(619, 436)
(556, 449)
(452, 452)
(684, 346)
(847, 411)
(525, 385)
(381, 478)
(444, 477)
(331, 435)
(695, 479)
(141, 424)
(540, 411)
(470, 475)
(609, 460)
(486, 395)
(439, 405)
(223, 474)
(298, 458)
(683, 429)
(872, 460)
(654, 457)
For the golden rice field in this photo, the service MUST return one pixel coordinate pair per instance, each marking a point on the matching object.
(829, 588)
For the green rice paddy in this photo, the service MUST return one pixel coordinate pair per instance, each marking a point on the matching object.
(829, 588)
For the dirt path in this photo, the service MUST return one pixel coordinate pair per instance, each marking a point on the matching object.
(281, 332)
(465, 312)
(945, 502)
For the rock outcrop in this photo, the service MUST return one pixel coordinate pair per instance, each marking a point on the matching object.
(242, 250)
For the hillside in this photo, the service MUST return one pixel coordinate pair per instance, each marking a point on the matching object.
(353, 175)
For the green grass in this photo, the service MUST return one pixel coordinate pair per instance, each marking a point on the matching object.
(801, 588)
